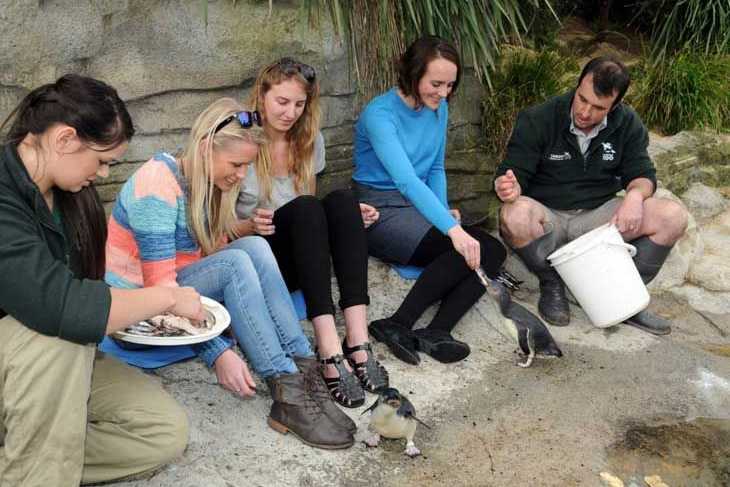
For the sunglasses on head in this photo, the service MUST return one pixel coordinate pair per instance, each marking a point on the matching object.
(245, 118)
(290, 66)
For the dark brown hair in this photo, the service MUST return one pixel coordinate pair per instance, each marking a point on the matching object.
(99, 117)
(609, 76)
(414, 61)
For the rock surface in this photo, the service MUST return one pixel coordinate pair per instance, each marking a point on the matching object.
(561, 422)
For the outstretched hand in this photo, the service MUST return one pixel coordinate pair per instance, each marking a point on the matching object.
(507, 187)
(466, 245)
(233, 374)
(187, 303)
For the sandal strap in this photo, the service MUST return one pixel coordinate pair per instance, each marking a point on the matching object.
(371, 374)
(365, 346)
(346, 388)
(335, 359)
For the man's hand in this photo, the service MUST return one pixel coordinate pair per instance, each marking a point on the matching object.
(507, 187)
(369, 214)
(630, 213)
(233, 374)
(262, 220)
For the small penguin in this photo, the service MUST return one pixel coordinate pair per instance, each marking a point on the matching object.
(519, 323)
(393, 416)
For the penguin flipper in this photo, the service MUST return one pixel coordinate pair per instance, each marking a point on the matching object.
(371, 407)
(531, 347)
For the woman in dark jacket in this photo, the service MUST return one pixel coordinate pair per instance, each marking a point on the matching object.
(66, 416)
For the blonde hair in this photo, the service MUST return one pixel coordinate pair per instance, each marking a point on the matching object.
(301, 135)
(211, 212)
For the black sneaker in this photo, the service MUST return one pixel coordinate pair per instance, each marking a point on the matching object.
(399, 339)
(441, 345)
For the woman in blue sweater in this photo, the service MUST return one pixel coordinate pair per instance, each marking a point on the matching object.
(400, 142)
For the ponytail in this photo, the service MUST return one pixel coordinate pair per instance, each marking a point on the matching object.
(99, 117)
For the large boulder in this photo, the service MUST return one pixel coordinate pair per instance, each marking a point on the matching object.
(703, 202)
(685, 252)
(712, 271)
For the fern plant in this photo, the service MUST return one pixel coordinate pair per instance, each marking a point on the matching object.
(377, 31)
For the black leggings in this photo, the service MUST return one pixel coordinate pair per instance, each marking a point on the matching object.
(308, 232)
(446, 277)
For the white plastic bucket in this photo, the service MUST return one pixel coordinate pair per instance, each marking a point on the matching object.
(598, 269)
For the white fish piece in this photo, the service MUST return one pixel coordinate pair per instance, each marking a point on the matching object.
(167, 325)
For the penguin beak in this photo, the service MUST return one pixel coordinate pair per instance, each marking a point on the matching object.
(371, 407)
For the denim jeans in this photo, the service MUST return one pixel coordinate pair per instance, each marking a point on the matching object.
(245, 277)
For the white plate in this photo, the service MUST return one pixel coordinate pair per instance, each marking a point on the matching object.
(220, 314)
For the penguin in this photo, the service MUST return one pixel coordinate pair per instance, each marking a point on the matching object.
(528, 330)
(393, 416)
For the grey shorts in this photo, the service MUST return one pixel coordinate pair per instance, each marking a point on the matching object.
(571, 224)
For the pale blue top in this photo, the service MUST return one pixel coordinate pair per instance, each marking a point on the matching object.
(397, 147)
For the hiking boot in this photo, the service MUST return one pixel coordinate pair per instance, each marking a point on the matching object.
(295, 410)
(649, 259)
(316, 387)
(650, 323)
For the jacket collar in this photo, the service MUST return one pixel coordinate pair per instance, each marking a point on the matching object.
(19, 178)
(614, 119)
(565, 101)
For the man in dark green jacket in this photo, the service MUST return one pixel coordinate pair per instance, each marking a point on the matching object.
(566, 160)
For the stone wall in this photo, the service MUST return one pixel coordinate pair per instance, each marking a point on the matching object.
(168, 66)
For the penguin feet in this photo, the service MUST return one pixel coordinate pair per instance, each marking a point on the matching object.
(411, 450)
(372, 441)
(372, 375)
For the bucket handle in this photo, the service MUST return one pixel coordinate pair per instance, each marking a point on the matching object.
(629, 247)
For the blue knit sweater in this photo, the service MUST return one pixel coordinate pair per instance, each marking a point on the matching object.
(397, 147)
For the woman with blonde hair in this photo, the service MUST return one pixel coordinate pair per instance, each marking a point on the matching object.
(171, 225)
(277, 201)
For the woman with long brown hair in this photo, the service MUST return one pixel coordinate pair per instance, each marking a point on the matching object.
(68, 415)
(277, 201)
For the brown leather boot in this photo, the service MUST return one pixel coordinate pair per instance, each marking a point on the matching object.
(295, 410)
(318, 390)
